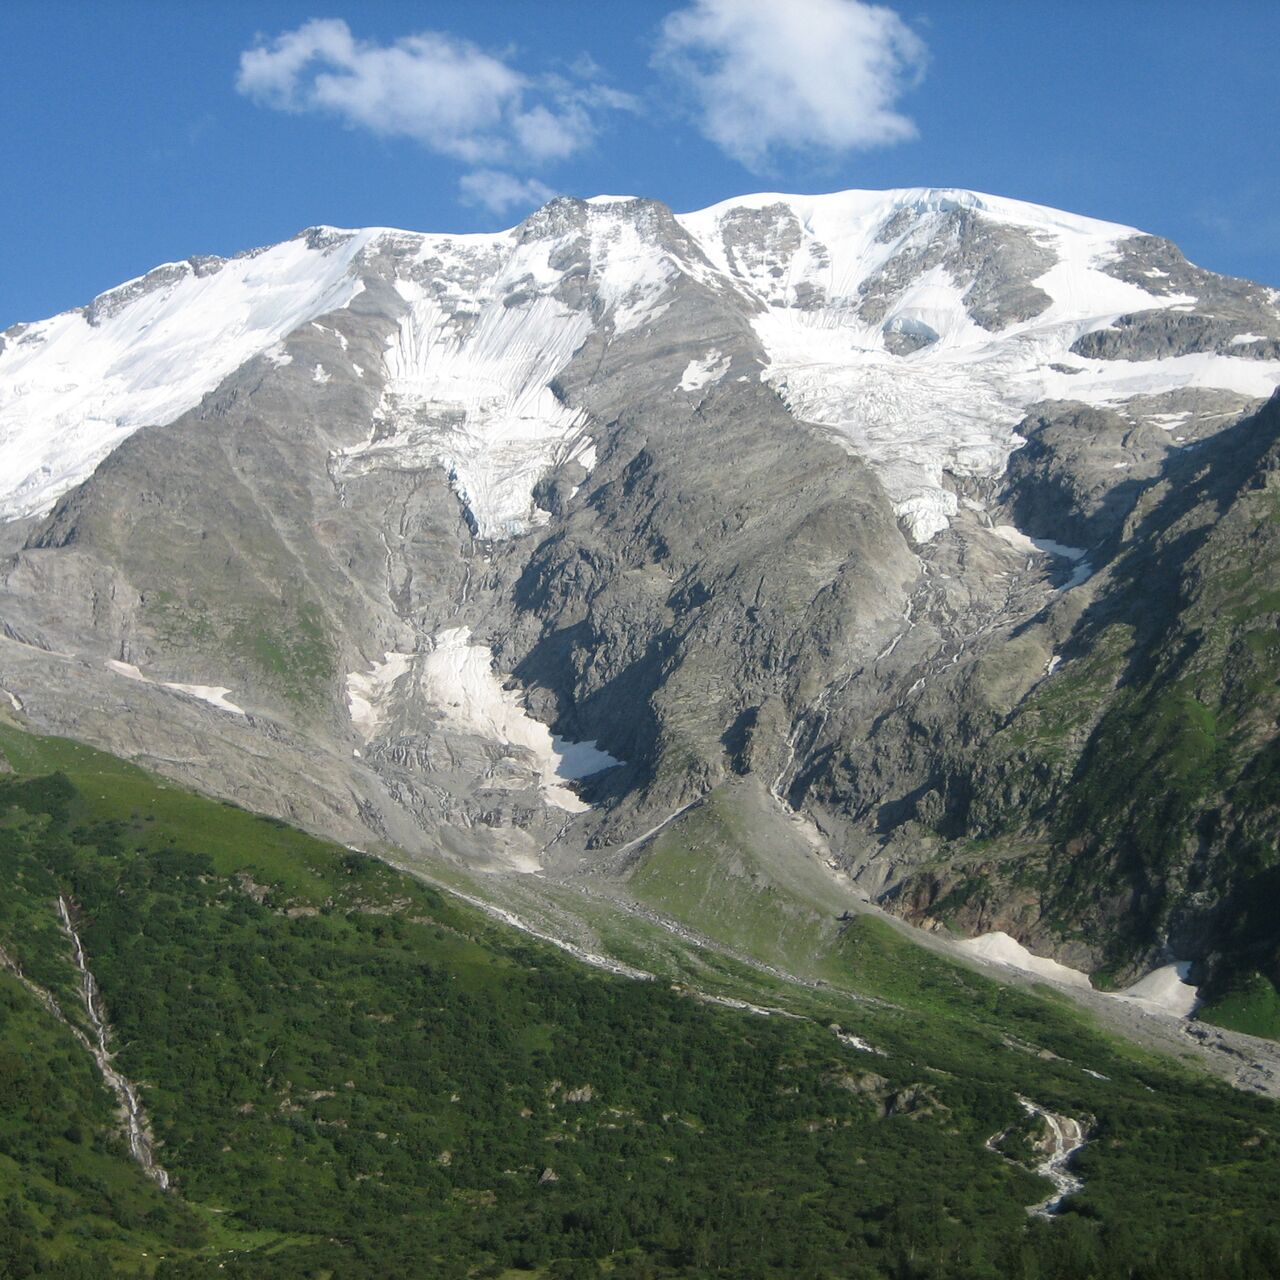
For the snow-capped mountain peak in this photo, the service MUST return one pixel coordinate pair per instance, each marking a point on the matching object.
(918, 325)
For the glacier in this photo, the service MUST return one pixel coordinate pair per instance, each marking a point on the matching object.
(913, 385)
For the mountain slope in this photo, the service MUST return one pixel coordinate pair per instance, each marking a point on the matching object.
(498, 551)
(348, 1071)
(1143, 781)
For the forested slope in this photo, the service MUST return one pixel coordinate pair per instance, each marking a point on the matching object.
(349, 1073)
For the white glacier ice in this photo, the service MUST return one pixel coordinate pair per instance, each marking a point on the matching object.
(487, 328)
(951, 407)
(470, 368)
(474, 397)
(75, 386)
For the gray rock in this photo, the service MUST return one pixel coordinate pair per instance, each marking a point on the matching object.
(724, 591)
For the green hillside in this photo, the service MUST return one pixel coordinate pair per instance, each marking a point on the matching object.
(351, 1074)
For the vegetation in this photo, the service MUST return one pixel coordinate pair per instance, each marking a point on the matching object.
(287, 644)
(1251, 1005)
(297, 657)
(1134, 795)
(351, 1074)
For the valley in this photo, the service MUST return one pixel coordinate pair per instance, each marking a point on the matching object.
(349, 1071)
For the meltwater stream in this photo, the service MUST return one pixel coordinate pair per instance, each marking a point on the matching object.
(1065, 1136)
(130, 1105)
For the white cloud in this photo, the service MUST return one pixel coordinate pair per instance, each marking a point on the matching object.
(499, 192)
(442, 91)
(552, 136)
(804, 75)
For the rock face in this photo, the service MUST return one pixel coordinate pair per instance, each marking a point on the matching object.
(926, 507)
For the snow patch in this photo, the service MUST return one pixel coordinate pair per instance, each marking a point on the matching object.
(1167, 421)
(342, 340)
(1002, 949)
(1022, 542)
(699, 373)
(1165, 991)
(368, 692)
(214, 695)
(457, 676)
(320, 374)
(128, 670)
(580, 759)
(1111, 382)
(631, 273)
(1081, 573)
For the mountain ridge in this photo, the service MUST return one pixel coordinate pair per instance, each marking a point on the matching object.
(851, 214)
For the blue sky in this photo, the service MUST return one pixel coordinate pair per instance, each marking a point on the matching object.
(136, 133)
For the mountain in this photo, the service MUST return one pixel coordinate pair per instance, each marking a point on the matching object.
(924, 534)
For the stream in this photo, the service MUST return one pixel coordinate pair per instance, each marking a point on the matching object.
(1066, 1137)
(130, 1105)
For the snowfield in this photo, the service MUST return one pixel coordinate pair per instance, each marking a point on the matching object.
(73, 387)
(485, 331)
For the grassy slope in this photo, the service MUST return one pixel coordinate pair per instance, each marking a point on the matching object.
(352, 1074)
